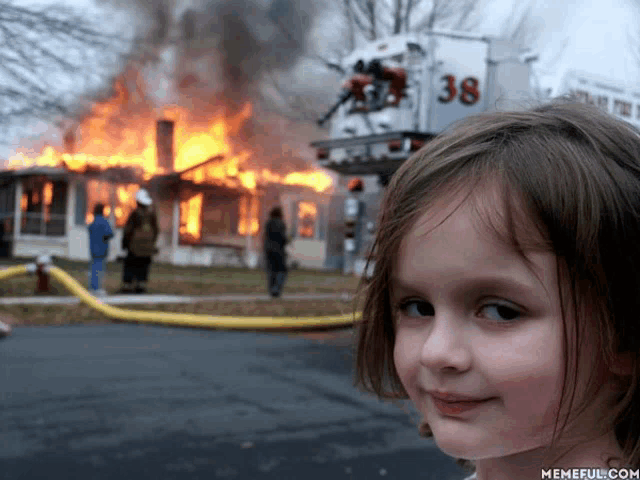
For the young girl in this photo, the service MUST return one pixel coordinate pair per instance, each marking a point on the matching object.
(505, 300)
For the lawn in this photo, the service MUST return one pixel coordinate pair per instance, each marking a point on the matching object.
(177, 280)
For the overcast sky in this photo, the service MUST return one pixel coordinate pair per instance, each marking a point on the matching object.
(597, 31)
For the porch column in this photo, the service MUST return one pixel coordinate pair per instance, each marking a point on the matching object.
(175, 229)
(247, 245)
(17, 214)
(71, 208)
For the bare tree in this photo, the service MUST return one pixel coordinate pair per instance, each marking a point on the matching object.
(379, 18)
(49, 54)
(523, 30)
(633, 37)
(368, 20)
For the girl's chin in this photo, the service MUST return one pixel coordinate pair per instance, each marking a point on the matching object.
(470, 452)
(460, 449)
(468, 446)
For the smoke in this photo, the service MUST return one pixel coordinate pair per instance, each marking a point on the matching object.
(221, 46)
(213, 57)
(153, 18)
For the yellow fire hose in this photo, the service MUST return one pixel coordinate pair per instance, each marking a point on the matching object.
(184, 319)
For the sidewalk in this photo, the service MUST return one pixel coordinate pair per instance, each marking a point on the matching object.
(118, 299)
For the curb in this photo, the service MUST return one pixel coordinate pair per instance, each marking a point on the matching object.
(160, 299)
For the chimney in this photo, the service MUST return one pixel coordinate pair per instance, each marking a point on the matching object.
(69, 140)
(164, 144)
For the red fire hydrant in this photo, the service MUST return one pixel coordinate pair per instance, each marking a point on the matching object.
(42, 273)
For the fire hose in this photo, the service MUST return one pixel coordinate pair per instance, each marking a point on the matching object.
(181, 319)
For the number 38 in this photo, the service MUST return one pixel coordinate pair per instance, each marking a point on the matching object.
(469, 93)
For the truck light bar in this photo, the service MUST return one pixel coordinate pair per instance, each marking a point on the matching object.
(395, 145)
(416, 144)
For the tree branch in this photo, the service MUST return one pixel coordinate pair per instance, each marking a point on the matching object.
(42, 45)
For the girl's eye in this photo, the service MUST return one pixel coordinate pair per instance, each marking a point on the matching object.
(415, 308)
(495, 312)
(501, 313)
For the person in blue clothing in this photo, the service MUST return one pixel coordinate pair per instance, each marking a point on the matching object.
(100, 233)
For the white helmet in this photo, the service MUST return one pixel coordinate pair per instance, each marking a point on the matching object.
(143, 197)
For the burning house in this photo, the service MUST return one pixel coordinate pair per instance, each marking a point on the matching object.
(214, 159)
(211, 208)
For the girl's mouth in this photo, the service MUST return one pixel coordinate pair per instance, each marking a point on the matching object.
(457, 407)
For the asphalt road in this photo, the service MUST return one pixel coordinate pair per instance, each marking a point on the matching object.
(142, 402)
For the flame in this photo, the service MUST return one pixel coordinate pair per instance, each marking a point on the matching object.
(100, 192)
(190, 215)
(121, 131)
(248, 210)
(307, 212)
(48, 197)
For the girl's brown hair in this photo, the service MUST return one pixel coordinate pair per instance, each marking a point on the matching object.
(575, 171)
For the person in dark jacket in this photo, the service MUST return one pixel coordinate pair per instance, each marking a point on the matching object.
(100, 233)
(275, 239)
(139, 240)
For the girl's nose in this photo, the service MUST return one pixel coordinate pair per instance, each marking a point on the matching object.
(445, 346)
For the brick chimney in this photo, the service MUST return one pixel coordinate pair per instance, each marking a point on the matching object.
(164, 144)
(69, 140)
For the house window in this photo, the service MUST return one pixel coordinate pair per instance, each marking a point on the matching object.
(191, 219)
(307, 213)
(220, 216)
(44, 207)
(603, 102)
(622, 108)
(248, 210)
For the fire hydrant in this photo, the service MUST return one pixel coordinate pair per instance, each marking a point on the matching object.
(42, 273)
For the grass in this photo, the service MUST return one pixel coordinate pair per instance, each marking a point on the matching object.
(177, 280)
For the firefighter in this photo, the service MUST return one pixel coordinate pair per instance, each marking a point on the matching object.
(139, 240)
(275, 240)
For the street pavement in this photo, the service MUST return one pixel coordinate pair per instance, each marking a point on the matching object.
(149, 402)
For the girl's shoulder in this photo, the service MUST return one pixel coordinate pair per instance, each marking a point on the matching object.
(472, 477)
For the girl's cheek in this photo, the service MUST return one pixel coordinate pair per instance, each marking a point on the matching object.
(530, 396)
(406, 360)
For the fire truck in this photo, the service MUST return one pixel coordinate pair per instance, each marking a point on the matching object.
(401, 91)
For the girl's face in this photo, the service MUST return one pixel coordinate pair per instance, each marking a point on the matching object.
(474, 323)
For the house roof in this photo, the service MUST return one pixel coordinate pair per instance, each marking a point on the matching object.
(34, 170)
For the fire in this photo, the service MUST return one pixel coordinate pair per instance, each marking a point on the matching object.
(100, 193)
(306, 219)
(48, 197)
(190, 215)
(248, 216)
(121, 131)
